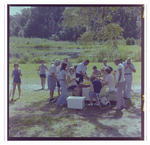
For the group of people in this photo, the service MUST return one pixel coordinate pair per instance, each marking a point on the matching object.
(71, 78)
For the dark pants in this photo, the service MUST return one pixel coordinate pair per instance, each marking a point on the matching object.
(80, 78)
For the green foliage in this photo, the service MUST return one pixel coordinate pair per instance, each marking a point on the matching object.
(54, 37)
(111, 33)
(130, 41)
(137, 55)
(105, 53)
(86, 38)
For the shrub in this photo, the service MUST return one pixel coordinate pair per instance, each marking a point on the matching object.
(22, 61)
(137, 55)
(130, 41)
(80, 59)
(54, 37)
(26, 57)
(36, 60)
(109, 54)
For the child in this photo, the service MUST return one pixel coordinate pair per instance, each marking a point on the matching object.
(95, 88)
(16, 73)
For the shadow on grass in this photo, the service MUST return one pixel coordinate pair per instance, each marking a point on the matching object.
(44, 114)
(11, 102)
(38, 90)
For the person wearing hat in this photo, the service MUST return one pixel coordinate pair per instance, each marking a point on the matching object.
(16, 73)
(42, 68)
(52, 79)
(81, 71)
(120, 79)
(129, 68)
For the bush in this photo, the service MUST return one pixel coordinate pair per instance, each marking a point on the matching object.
(105, 53)
(54, 37)
(22, 61)
(36, 60)
(130, 41)
(80, 59)
(137, 55)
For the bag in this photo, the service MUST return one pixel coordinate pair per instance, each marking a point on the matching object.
(104, 101)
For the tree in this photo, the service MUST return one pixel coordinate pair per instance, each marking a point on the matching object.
(97, 21)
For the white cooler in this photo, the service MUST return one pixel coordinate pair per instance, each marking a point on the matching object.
(76, 102)
(85, 92)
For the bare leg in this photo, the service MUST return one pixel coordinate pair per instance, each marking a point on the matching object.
(14, 88)
(97, 101)
(44, 81)
(77, 91)
(91, 100)
(19, 90)
(58, 91)
(51, 94)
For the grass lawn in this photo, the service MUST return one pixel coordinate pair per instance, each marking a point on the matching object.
(33, 116)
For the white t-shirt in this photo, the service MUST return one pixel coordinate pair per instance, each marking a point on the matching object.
(58, 71)
(61, 74)
(81, 67)
(106, 65)
(53, 69)
(128, 70)
(111, 83)
(120, 67)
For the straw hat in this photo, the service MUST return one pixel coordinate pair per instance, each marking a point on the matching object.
(117, 59)
(57, 60)
(128, 60)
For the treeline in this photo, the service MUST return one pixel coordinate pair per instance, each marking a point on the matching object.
(77, 23)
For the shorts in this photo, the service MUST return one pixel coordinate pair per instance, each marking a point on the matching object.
(42, 75)
(72, 87)
(51, 83)
(92, 94)
(17, 80)
(58, 84)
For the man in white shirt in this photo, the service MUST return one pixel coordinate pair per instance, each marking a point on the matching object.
(81, 71)
(129, 68)
(120, 84)
(52, 79)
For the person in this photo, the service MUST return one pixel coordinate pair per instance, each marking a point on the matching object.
(72, 82)
(96, 72)
(109, 80)
(42, 68)
(75, 68)
(120, 84)
(104, 67)
(52, 79)
(121, 61)
(69, 64)
(58, 84)
(129, 68)
(95, 87)
(81, 71)
(64, 85)
(105, 63)
(16, 73)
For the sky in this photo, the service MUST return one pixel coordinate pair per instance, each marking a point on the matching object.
(14, 9)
